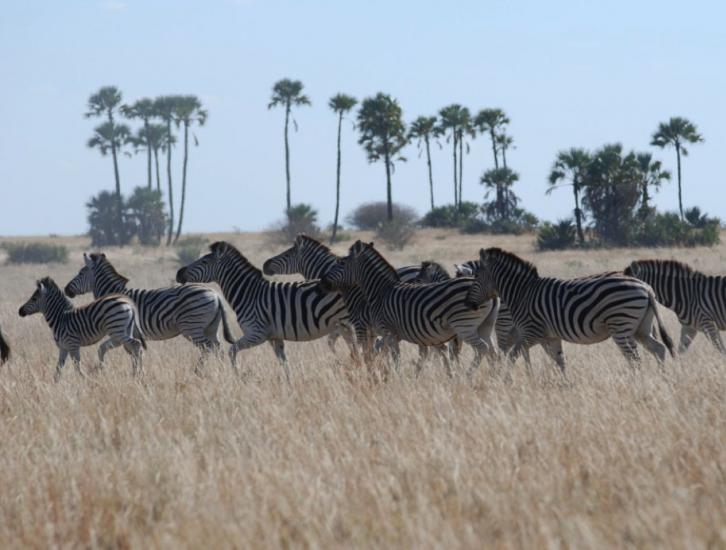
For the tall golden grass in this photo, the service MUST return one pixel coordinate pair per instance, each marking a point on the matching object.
(614, 458)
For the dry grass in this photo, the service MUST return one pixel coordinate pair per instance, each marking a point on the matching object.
(615, 459)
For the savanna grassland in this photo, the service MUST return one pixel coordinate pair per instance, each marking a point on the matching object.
(614, 458)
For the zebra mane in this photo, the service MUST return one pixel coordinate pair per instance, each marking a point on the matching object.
(223, 247)
(49, 283)
(101, 260)
(359, 247)
(680, 268)
(523, 265)
(316, 243)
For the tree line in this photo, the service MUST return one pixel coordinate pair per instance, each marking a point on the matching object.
(159, 118)
(607, 184)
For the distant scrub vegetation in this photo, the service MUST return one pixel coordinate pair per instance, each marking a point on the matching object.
(35, 253)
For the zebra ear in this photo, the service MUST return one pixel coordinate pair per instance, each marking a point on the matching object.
(41, 287)
(87, 260)
(483, 256)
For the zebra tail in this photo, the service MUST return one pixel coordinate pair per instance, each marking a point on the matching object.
(225, 326)
(661, 327)
(4, 349)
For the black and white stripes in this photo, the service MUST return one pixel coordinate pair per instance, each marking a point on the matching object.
(114, 316)
(194, 311)
(4, 348)
(699, 300)
(584, 311)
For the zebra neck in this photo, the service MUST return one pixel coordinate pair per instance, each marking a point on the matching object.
(106, 283)
(511, 287)
(375, 276)
(55, 306)
(239, 282)
(315, 263)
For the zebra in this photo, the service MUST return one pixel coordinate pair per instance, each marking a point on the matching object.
(699, 300)
(114, 316)
(424, 314)
(504, 327)
(312, 259)
(4, 349)
(586, 310)
(267, 311)
(194, 311)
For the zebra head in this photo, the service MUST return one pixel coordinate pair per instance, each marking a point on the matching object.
(39, 299)
(205, 269)
(83, 282)
(432, 272)
(467, 269)
(633, 270)
(483, 287)
(344, 274)
(287, 262)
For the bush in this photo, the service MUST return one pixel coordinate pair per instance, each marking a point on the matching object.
(35, 253)
(668, 230)
(396, 234)
(103, 220)
(190, 248)
(448, 216)
(557, 236)
(519, 222)
(146, 215)
(300, 218)
(370, 215)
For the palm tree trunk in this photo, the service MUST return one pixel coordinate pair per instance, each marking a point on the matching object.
(461, 168)
(578, 215)
(389, 193)
(494, 148)
(504, 156)
(680, 193)
(156, 163)
(184, 180)
(168, 179)
(431, 177)
(287, 156)
(148, 153)
(456, 186)
(337, 184)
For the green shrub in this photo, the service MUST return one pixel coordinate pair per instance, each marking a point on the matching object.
(145, 211)
(557, 236)
(190, 248)
(395, 234)
(448, 216)
(370, 215)
(667, 229)
(300, 218)
(35, 253)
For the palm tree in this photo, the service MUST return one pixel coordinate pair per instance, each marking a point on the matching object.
(455, 120)
(501, 179)
(341, 104)
(187, 112)
(466, 128)
(677, 132)
(504, 142)
(651, 175)
(165, 107)
(287, 93)
(423, 129)
(152, 139)
(142, 109)
(106, 102)
(491, 121)
(382, 135)
(571, 164)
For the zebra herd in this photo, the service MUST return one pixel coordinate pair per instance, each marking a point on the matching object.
(375, 306)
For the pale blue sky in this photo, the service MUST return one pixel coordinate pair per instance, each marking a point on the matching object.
(567, 73)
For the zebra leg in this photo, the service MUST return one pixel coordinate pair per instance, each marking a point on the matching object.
(254, 336)
(443, 352)
(133, 348)
(349, 336)
(333, 338)
(423, 354)
(714, 335)
(644, 335)
(76, 356)
(627, 345)
(62, 355)
(553, 348)
(455, 346)
(688, 333)
(279, 347)
(105, 347)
